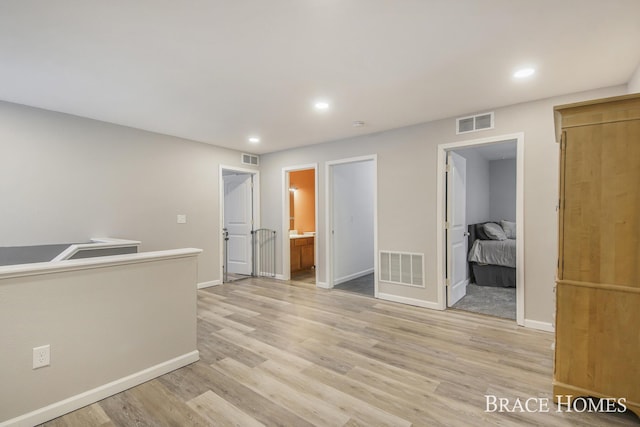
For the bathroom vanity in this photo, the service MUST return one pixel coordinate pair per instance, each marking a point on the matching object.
(302, 252)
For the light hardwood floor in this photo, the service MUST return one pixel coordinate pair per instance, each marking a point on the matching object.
(287, 354)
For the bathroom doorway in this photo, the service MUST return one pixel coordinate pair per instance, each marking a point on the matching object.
(300, 224)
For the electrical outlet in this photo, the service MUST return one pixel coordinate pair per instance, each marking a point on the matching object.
(182, 219)
(41, 356)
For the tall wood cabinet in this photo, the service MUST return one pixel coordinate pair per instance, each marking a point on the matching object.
(597, 351)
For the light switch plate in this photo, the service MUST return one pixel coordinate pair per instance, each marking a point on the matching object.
(182, 219)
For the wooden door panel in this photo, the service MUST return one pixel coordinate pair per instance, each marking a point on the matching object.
(307, 258)
(601, 230)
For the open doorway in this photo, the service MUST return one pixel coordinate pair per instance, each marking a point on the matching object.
(300, 188)
(352, 216)
(481, 211)
(238, 205)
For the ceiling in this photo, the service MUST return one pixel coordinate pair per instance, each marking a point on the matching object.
(221, 71)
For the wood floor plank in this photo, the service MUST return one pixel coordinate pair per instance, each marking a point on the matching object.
(92, 415)
(221, 413)
(353, 405)
(164, 407)
(262, 409)
(124, 409)
(276, 353)
(221, 321)
(312, 409)
(389, 372)
(382, 398)
(235, 351)
(266, 350)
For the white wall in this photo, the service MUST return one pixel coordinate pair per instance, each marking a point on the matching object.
(502, 192)
(407, 190)
(353, 195)
(66, 179)
(634, 83)
(477, 186)
(111, 323)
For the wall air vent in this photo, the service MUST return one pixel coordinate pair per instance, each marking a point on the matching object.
(474, 123)
(402, 268)
(249, 159)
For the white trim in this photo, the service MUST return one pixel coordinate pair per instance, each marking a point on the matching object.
(322, 285)
(88, 397)
(286, 250)
(440, 221)
(39, 268)
(329, 216)
(520, 320)
(96, 243)
(209, 284)
(434, 305)
(541, 326)
(280, 277)
(238, 169)
(256, 205)
(352, 276)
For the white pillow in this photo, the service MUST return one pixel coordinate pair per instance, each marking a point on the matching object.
(509, 229)
(494, 231)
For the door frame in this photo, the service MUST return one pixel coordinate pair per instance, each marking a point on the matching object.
(329, 217)
(441, 215)
(286, 250)
(255, 201)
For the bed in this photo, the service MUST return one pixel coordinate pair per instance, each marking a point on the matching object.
(492, 259)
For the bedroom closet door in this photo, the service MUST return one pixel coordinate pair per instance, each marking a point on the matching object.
(456, 228)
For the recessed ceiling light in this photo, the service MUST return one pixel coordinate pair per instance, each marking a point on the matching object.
(321, 105)
(358, 123)
(254, 139)
(524, 72)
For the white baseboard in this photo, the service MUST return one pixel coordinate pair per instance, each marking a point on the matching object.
(202, 285)
(78, 401)
(281, 277)
(541, 326)
(352, 276)
(410, 301)
(322, 285)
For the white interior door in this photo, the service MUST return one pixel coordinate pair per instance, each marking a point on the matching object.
(238, 222)
(457, 228)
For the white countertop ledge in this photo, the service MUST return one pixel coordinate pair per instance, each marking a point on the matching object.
(40, 268)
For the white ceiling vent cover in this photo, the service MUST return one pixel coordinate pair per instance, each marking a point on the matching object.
(249, 159)
(402, 268)
(474, 123)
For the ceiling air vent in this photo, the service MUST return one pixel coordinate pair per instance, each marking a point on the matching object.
(249, 159)
(474, 123)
